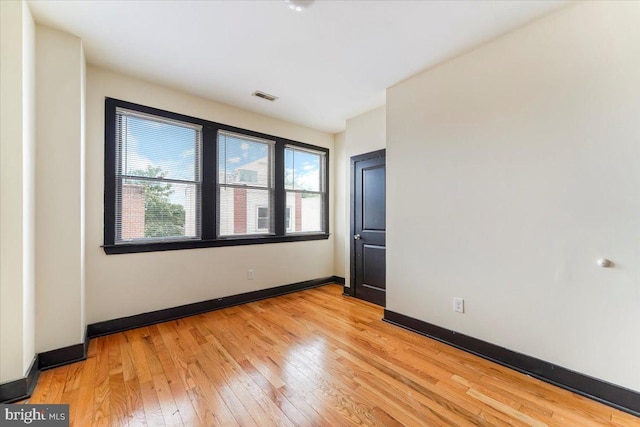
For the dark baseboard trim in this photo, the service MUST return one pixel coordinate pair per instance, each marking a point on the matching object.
(339, 280)
(62, 356)
(610, 394)
(21, 389)
(139, 320)
(347, 291)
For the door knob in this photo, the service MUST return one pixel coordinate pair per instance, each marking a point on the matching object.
(356, 237)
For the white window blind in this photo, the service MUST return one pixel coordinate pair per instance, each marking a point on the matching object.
(158, 178)
(245, 185)
(305, 193)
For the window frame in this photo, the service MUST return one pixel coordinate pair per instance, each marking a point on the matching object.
(121, 176)
(209, 202)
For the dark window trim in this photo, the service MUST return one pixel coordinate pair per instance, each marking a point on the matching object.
(210, 200)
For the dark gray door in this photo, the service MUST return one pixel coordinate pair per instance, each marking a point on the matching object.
(368, 251)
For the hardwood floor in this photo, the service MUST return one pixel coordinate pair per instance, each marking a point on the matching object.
(309, 358)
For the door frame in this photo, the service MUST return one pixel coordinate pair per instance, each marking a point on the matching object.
(351, 291)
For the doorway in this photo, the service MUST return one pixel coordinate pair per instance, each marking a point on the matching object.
(368, 227)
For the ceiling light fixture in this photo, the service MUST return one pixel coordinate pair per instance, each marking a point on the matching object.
(298, 5)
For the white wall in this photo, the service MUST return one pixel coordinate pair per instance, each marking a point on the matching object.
(364, 133)
(17, 190)
(510, 171)
(122, 285)
(83, 180)
(341, 225)
(60, 192)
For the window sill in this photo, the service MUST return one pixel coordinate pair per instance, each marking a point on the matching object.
(131, 248)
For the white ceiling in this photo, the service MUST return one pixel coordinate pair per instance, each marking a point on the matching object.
(327, 63)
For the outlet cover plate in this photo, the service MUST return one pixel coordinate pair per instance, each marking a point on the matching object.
(458, 305)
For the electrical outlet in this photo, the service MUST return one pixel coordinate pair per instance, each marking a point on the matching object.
(250, 274)
(458, 305)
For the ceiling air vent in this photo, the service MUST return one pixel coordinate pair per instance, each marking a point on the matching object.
(264, 96)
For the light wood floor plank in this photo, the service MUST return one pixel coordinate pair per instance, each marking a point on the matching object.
(134, 405)
(118, 400)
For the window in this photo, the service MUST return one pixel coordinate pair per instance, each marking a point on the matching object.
(245, 176)
(262, 223)
(305, 189)
(263, 219)
(287, 219)
(157, 178)
(179, 182)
